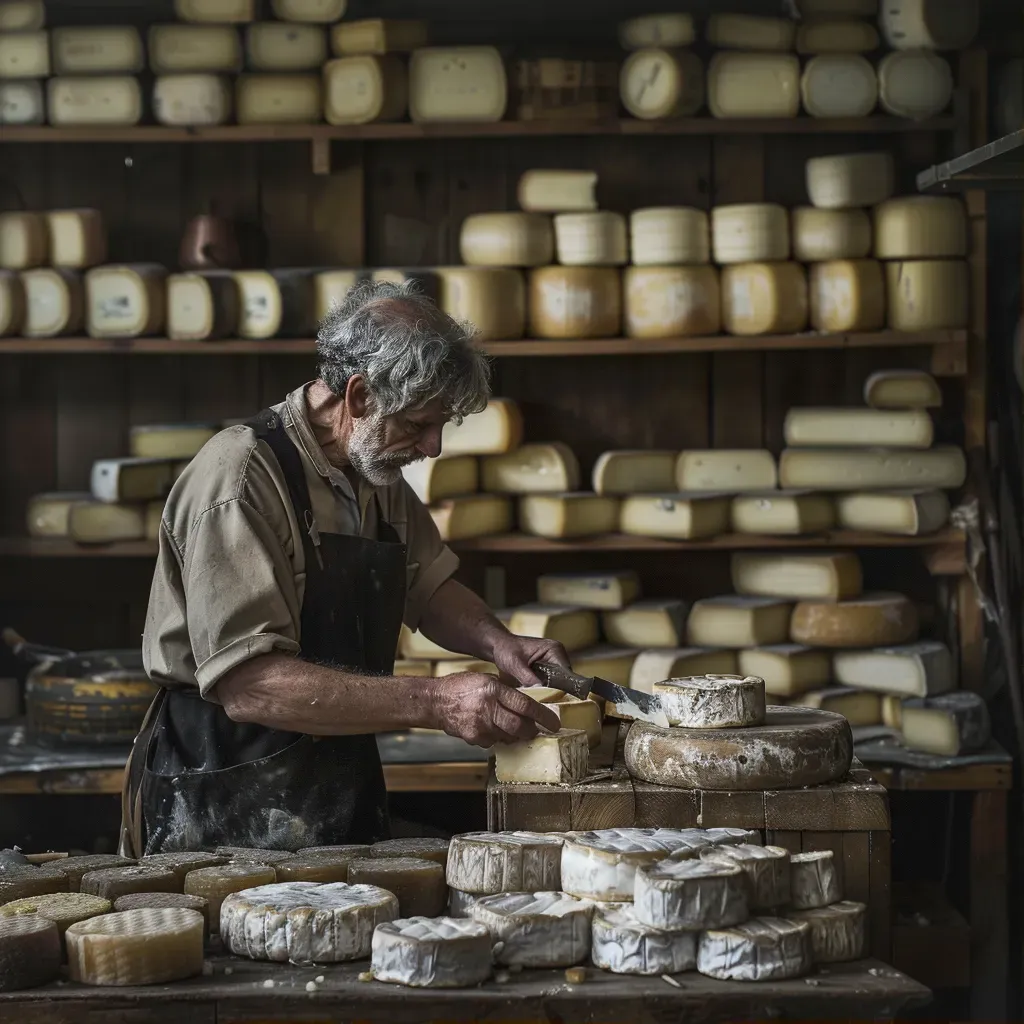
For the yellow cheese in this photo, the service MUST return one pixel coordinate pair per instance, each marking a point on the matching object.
(574, 628)
(849, 180)
(97, 49)
(449, 668)
(874, 620)
(22, 15)
(667, 235)
(948, 725)
(902, 389)
(839, 85)
(820, 235)
(12, 304)
(25, 54)
(754, 85)
(278, 99)
(827, 577)
(77, 238)
(674, 516)
(192, 100)
(855, 428)
(62, 908)
(924, 295)
(472, 515)
(724, 469)
(531, 469)
(284, 46)
(109, 99)
(764, 298)
(672, 29)
(22, 101)
(652, 623)
(98, 522)
(217, 882)
(434, 479)
(411, 667)
(856, 706)
(559, 759)
(365, 88)
(54, 302)
(24, 240)
(113, 882)
(747, 232)
(909, 670)
(658, 664)
(904, 513)
(589, 239)
(415, 645)
(782, 513)
(667, 302)
(202, 305)
(914, 83)
(46, 515)
(575, 302)
(634, 472)
(847, 295)
(498, 429)
(915, 227)
(457, 83)
(215, 10)
(575, 714)
(831, 469)
(507, 239)
(275, 303)
(176, 49)
(126, 301)
(568, 515)
(750, 32)
(331, 287)
(130, 479)
(493, 299)
(309, 10)
(544, 191)
(606, 661)
(838, 8)
(929, 24)
(656, 83)
(589, 589)
(836, 35)
(736, 621)
(787, 669)
(378, 36)
(169, 440)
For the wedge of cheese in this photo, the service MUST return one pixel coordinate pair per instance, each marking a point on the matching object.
(858, 707)
(126, 301)
(787, 669)
(97, 522)
(202, 305)
(531, 469)
(657, 622)
(675, 516)
(574, 628)
(902, 389)
(169, 440)
(46, 515)
(872, 620)
(658, 664)
(909, 670)
(574, 514)
(786, 513)
(857, 428)
(764, 298)
(54, 302)
(496, 430)
(634, 472)
(492, 299)
(726, 470)
(77, 238)
(948, 725)
(378, 36)
(365, 88)
(472, 515)
(831, 469)
(847, 295)
(589, 589)
(434, 479)
(278, 99)
(829, 577)
(904, 513)
(544, 191)
(24, 240)
(736, 621)
(560, 758)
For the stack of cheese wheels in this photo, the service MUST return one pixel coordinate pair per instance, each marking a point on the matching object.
(837, 80)
(660, 78)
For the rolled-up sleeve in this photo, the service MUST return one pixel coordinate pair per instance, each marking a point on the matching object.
(431, 562)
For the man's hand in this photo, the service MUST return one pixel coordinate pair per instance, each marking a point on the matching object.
(483, 710)
(514, 656)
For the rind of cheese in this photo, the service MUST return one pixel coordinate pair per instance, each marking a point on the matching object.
(536, 929)
(853, 427)
(557, 191)
(782, 513)
(485, 863)
(787, 669)
(754, 85)
(850, 180)
(830, 469)
(764, 298)
(576, 714)
(948, 725)
(457, 83)
(658, 664)
(712, 702)
(838, 932)
(418, 884)
(589, 239)
(915, 84)
(839, 85)
(22, 15)
(747, 232)
(25, 54)
(378, 36)
(202, 305)
(177, 49)
(575, 302)
(735, 621)
(318, 11)
(917, 227)
(278, 99)
(113, 882)
(314, 867)
(444, 952)
(78, 238)
(765, 949)
(814, 881)
(498, 429)
(62, 908)
(767, 870)
(670, 302)
(856, 706)
(280, 46)
(561, 758)
(911, 670)
(434, 479)
(633, 472)
(726, 470)
(656, 83)
(820, 235)
(30, 952)
(925, 295)
(929, 24)
(96, 49)
(24, 240)
(54, 302)
(656, 622)
(672, 29)
(182, 863)
(192, 100)
(589, 589)
(129, 479)
(73, 869)
(874, 620)
(492, 299)
(558, 516)
(902, 389)
(532, 469)
(507, 239)
(232, 11)
(620, 943)
(125, 301)
(94, 99)
(164, 900)
(669, 236)
(12, 302)
(836, 35)
(216, 883)
(46, 515)
(847, 295)
(422, 847)
(830, 577)
(169, 440)
(750, 32)
(22, 101)
(675, 516)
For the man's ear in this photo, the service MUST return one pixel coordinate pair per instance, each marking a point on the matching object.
(357, 398)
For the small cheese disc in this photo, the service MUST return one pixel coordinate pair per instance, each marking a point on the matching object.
(712, 702)
(421, 847)
(597, 589)
(536, 929)
(633, 472)
(125, 301)
(909, 670)
(735, 621)
(254, 855)
(767, 870)
(202, 305)
(675, 516)
(857, 707)
(99, 522)
(579, 514)
(492, 299)
(314, 867)
(113, 882)
(215, 883)
(622, 944)
(915, 227)
(657, 83)
(902, 389)
(22, 15)
(96, 49)
(925, 295)
(24, 240)
(914, 84)
(18, 883)
(457, 83)
(418, 884)
(746, 232)
(472, 515)
(75, 868)
(232, 11)
(813, 880)
(667, 235)
(750, 32)
(948, 725)
(838, 932)
(280, 46)
(820, 235)
(929, 24)
(575, 302)
(136, 947)
(787, 669)
(379, 35)
(847, 295)
(658, 664)
(507, 239)
(561, 758)
(62, 908)
(320, 11)
(874, 620)
(671, 302)
(551, 191)
(175, 49)
(54, 302)
(442, 952)
(192, 100)
(829, 469)
(485, 863)
(849, 180)
(590, 239)
(12, 304)
(352, 850)
(724, 469)
(846, 427)
(690, 895)
(434, 479)
(25, 54)
(764, 298)
(94, 99)
(839, 85)
(904, 513)
(672, 29)
(754, 85)
(660, 622)
(162, 900)
(764, 949)
(836, 35)
(782, 514)
(78, 238)
(531, 469)
(22, 101)
(278, 99)
(29, 952)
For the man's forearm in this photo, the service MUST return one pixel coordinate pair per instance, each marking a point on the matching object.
(459, 620)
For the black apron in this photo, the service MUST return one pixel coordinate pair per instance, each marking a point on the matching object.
(197, 780)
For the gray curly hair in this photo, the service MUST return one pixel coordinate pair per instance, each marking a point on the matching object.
(407, 349)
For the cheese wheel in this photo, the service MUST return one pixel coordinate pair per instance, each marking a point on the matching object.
(365, 88)
(916, 227)
(378, 36)
(274, 303)
(77, 238)
(902, 389)
(542, 929)
(215, 10)
(750, 32)
(557, 191)
(575, 302)
(96, 49)
(54, 302)
(767, 870)
(754, 85)
(914, 83)
(820, 235)
(854, 427)
(666, 235)
(764, 298)
(590, 239)
(182, 862)
(874, 620)
(113, 882)
(829, 469)
(669, 302)
(24, 240)
(126, 301)
(74, 869)
(22, 102)
(492, 299)
(849, 180)
(457, 83)
(924, 295)
(657, 83)
(109, 99)
(839, 85)
(278, 99)
(929, 24)
(673, 29)
(29, 952)
(192, 100)
(25, 54)
(22, 15)
(280, 46)
(712, 702)
(12, 304)
(417, 883)
(202, 305)
(836, 35)
(506, 239)
(847, 295)
(531, 469)
(813, 880)
(472, 515)
(62, 908)
(557, 516)
(560, 758)
(320, 11)
(763, 949)
(176, 49)
(746, 232)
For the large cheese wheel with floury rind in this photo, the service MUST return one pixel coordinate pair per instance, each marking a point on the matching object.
(917, 227)
(764, 949)
(767, 870)
(838, 931)
(512, 239)
(764, 298)
(24, 240)
(472, 515)
(319, 11)
(434, 479)
(813, 880)
(589, 589)
(202, 305)
(484, 863)
(874, 620)
(457, 83)
(573, 514)
(560, 758)
(497, 429)
(849, 180)
(834, 35)
(176, 49)
(574, 628)
(855, 427)
(674, 516)
(417, 883)
(847, 295)
(904, 513)
(304, 922)
(820, 235)
(25, 54)
(94, 99)
(751, 85)
(656, 82)
(724, 469)
(22, 101)
(902, 389)
(750, 32)
(787, 669)
(192, 100)
(673, 29)
(96, 49)
(927, 295)
(30, 952)
(914, 83)
(795, 747)
(54, 302)
(690, 895)
(948, 725)
(620, 943)
(634, 472)
(712, 702)
(278, 99)
(747, 232)
(839, 85)
(593, 239)
(658, 622)
(280, 46)
(275, 303)
(671, 302)
(929, 24)
(831, 469)
(908, 670)
(575, 302)
(127, 301)
(657, 664)
(668, 236)
(536, 929)
(232, 11)
(782, 513)
(78, 238)
(423, 952)
(12, 304)
(22, 15)
(531, 469)
(738, 621)
(492, 299)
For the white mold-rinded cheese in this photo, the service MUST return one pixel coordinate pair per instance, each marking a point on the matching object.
(783, 513)
(813, 880)
(673, 29)
(575, 302)
(658, 622)
(497, 429)
(675, 516)
(927, 295)
(434, 479)
(854, 427)
(54, 302)
(275, 303)
(668, 236)
(847, 295)
(838, 8)
(948, 725)
(589, 589)
(839, 85)
(492, 299)
(230, 11)
(485, 863)
(914, 83)
(725, 469)
(914, 670)
(690, 895)
(22, 101)
(767, 870)
(78, 238)
(472, 515)
(929, 24)
(820, 235)
(620, 943)
(764, 949)
(365, 88)
(202, 305)
(828, 469)
(738, 621)
(574, 514)
(30, 951)
(849, 180)
(658, 664)
(320, 11)
(555, 191)
(22, 15)
(671, 302)
(838, 932)
(787, 669)
(764, 298)
(459, 902)
(574, 628)
(747, 232)
(24, 240)
(284, 46)
(536, 929)
(856, 706)
(305, 922)
(457, 83)
(378, 36)
(656, 83)
(178, 49)
(588, 239)
(278, 99)
(754, 85)
(425, 952)
(836, 35)
(531, 469)
(12, 303)
(192, 100)
(560, 758)
(634, 472)
(918, 227)
(750, 32)
(511, 239)
(97, 49)
(904, 513)
(712, 702)
(873, 620)
(125, 301)
(25, 54)
(98, 99)
(130, 479)
(829, 576)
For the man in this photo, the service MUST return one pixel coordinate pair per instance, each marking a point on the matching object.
(291, 549)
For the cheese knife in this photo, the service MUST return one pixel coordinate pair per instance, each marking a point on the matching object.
(630, 703)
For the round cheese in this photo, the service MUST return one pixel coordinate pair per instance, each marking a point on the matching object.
(902, 389)
(750, 32)
(745, 232)
(484, 863)
(836, 35)
(666, 235)
(418, 884)
(767, 870)
(575, 302)
(656, 83)
(838, 932)
(12, 303)
(874, 620)
(847, 295)
(929, 24)
(917, 227)
(315, 867)
(849, 180)
(690, 895)
(839, 85)
(175, 48)
(591, 239)
(674, 29)
(712, 702)
(192, 100)
(63, 908)
(422, 847)
(813, 880)
(75, 868)
(365, 87)
(670, 302)
(29, 952)
(820, 235)
(506, 239)
(457, 83)
(924, 295)
(754, 85)
(550, 191)
(914, 83)
(217, 882)
(113, 882)
(442, 952)
(162, 901)
(21, 101)
(765, 949)
(279, 99)
(623, 945)
(536, 929)
(764, 298)
(492, 299)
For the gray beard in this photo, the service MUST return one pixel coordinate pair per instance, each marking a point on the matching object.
(367, 456)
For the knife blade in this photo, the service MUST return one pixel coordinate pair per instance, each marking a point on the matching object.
(630, 703)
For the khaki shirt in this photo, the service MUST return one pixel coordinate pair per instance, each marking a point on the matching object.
(230, 572)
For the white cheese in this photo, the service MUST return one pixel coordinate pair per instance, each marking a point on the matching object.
(434, 479)
(536, 929)
(746, 232)
(830, 469)
(874, 620)
(838, 932)
(914, 84)
(814, 882)
(905, 513)
(658, 664)
(365, 88)
(113, 99)
(507, 239)
(25, 54)
(853, 427)
(914, 227)
(414, 644)
(620, 943)
(690, 895)
(766, 868)
(309, 10)
(902, 389)
(575, 302)
(672, 29)
(856, 706)
(176, 49)
(531, 469)
(54, 302)
(839, 85)
(278, 99)
(727, 470)
(671, 302)
(557, 516)
(787, 669)
(750, 32)
(202, 305)
(634, 472)
(657, 83)
(284, 46)
(169, 440)
(764, 298)
(764, 949)
(575, 714)
(783, 513)
(849, 180)
(558, 759)
(457, 83)
(460, 902)
(77, 238)
(192, 100)
(24, 240)
(450, 668)
(588, 239)
(949, 725)
(836, 35)
(12, 303)
(847, 295)
(472, 515)
(712, 701)
(754, 85)
(22, 102)
(378, 36)
(574, 628)
(277, 303)
(126, 301)
(733, 621)
(912, 670)
(215, 10)
(929, 24)
(22, 15)
(130, 479)
(485, 863)
(544, 191)
(820, 235)
(589, 589)
(424, 952)
(927, 294)
(497, 429)
(667, 235)
(97, 49)
(492, 299)
(660, 622)
(675, 516)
